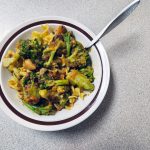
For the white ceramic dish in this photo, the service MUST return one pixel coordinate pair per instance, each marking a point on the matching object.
(82, 109)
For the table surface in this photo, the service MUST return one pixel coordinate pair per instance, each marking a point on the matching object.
(123, 120)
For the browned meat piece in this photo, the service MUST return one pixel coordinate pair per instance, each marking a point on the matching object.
(60, 30)
(32, 100)
(53, 97)
(58, 36)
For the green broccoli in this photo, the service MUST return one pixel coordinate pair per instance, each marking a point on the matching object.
(31, 49)
(78, 58)
(63, 102)
(25, 81)
(48, 63)
(33, 91)
(68, 44)
(41, 110)
(76, 78)
(88, 72)
(24, 48)
(51, 50)
(50, 83)
(61, 82)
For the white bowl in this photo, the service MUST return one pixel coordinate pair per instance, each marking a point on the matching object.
(82, 109)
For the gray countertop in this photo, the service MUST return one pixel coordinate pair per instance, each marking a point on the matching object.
(123, 120)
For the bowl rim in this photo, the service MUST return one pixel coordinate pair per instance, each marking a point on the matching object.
(62, 124)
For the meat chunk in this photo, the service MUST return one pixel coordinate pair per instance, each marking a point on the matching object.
(60, 30)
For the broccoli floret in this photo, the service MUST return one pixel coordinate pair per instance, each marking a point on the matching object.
(33, 90)
(33, 75)
(46, 110)
(25, 81)
(24, 48)
(48, 63)
(49, 83)
(30, 49)
(36, 43)
(78, 58)
(63, 102)
(61, 82)
(43, 85)
(68, 44)
(51, 50)
(88, 72)
(76, 78)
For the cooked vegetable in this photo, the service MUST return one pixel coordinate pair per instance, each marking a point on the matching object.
(76, 78)
(33, 94)
(47, 64)
(51, 50)
(79, 57)
(88, 72)
(46, 110)
(63, 102)
(61, 82)
(50, 70)
(68, 45)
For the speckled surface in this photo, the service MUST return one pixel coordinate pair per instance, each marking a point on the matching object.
(122, 122)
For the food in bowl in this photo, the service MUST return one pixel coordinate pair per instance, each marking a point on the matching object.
(50, 70)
